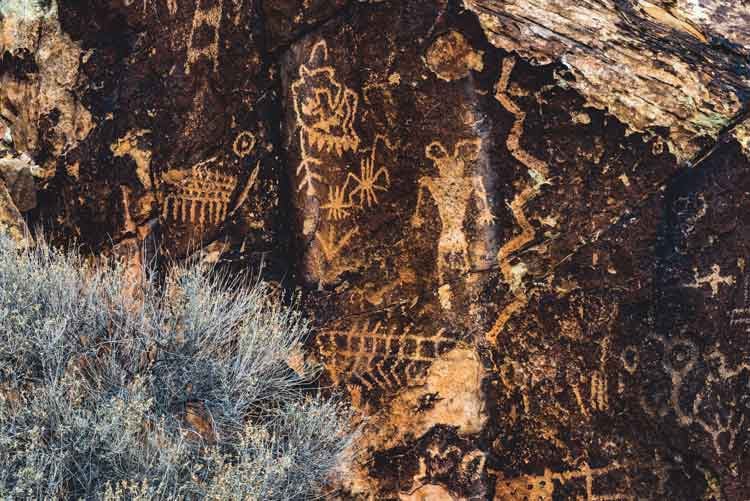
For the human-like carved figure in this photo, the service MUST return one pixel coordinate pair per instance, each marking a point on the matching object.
(710, 403)
(452, 190)
(325, 111)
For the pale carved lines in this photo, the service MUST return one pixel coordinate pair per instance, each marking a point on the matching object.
(331, 245)
(244, 144)
(365, 186)
(337, 207)
(203, 197)
(679, 359)
(380, 357)
(325, 111)
(452, 190)
(542, 487)
(741, 316)
(598, 391)
(367, 181)
(713, 280)
(539, 171)
(246, 190)
(204, 20)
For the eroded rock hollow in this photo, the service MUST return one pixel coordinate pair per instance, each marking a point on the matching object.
(519, 227)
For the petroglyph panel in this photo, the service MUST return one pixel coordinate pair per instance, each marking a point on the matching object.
(701, 391)
(543, 487)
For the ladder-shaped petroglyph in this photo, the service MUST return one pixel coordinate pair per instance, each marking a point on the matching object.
(325, 112)
(740, 317)
(452, 189)
(199, 196)
(543, 487)
(376, 356)
(538, 171)
(206, 22)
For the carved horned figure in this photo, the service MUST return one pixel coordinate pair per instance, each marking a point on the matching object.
(325, 108)
(452, 190)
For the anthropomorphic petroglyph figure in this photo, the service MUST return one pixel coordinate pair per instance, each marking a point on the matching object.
(715, 408)
(713, 280)
(206, 22)
(706, 400)
(325, 111)
(452, 190)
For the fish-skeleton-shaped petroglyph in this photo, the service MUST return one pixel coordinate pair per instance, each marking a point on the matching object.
(200, 196)
(376, 356)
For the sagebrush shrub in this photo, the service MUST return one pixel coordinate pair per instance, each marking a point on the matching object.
(184, 392)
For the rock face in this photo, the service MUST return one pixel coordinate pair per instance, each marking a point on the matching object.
(520, 228)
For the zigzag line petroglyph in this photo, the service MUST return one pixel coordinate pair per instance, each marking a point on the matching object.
(539, 172)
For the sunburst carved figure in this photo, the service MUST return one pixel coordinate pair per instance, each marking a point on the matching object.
(368, 181)
(337, 206)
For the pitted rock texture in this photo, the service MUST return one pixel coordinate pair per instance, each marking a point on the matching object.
(519, 228)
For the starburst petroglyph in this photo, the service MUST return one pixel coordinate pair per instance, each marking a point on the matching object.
(367, 181)
(337, 207)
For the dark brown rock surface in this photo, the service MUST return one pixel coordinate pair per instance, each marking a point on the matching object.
(520, 227)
